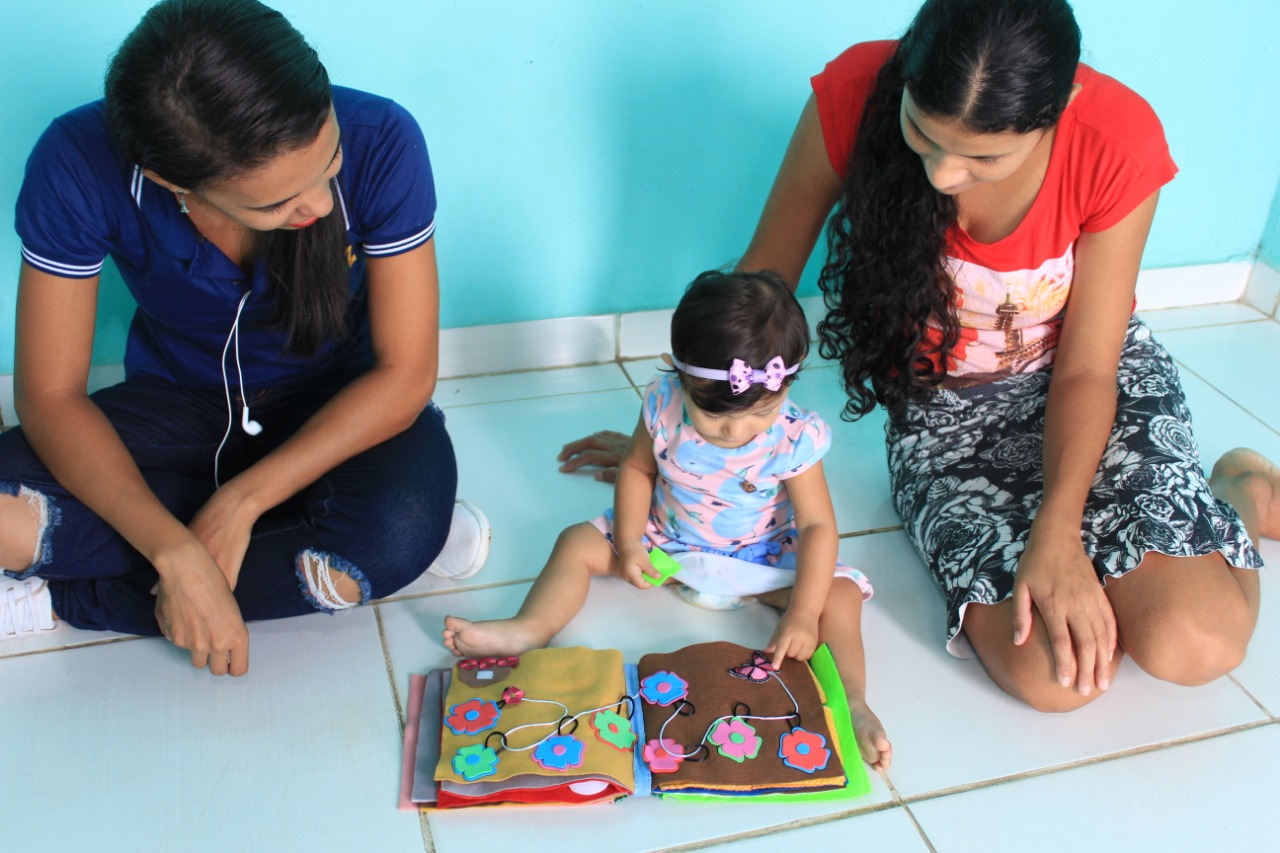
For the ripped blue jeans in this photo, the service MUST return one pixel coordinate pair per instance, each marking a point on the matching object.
(380, 517)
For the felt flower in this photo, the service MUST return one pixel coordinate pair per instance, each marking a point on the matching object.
(513, 695)
(663, 756)
(475, 762)
(664, 688)
(613, 728)
(735, 739)
(472, 716)
(559, 752)
(804, 750)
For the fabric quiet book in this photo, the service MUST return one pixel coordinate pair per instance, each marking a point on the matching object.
(570, 726)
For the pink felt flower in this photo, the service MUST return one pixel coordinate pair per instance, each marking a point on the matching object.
(735, 739)
(663, 756)
(804, 750)
(472, 716)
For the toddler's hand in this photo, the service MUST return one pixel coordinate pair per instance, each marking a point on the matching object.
(795, 637)
(633, 565)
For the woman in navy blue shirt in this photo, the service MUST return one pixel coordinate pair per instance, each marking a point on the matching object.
(272, 450)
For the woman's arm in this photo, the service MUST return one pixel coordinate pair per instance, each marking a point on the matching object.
(803, 193)
(632, 498)
(1054, 573)
(818, 540)
(404, 323)
(83, 451)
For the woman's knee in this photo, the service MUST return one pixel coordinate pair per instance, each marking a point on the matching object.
(1027, 672)
(1186, 648)
(24, 518)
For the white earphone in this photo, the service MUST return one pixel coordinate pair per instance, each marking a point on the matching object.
(247, 423)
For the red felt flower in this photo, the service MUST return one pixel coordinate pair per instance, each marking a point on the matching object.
(804, 750)
(472, 716)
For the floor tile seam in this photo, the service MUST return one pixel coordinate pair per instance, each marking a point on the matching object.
(870, 531)
(778, 828)
(536, 369)
(449, 407)
(1182, 365)
(72, 647)
(391, 669)
(1255, 700)
(969, 787)
(1164, 330)
(924, 836)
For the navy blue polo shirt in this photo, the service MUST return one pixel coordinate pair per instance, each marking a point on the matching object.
(80, 202)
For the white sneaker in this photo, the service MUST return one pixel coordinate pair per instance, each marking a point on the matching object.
(25, 607)
(467, 547)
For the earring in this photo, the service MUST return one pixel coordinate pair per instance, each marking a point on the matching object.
(182, 201)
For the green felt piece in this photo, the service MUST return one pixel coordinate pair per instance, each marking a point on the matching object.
(824, 671)
(666, 566)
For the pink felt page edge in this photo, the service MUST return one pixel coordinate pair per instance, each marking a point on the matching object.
(416, 683)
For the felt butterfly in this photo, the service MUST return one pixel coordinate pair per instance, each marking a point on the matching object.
(758, 670)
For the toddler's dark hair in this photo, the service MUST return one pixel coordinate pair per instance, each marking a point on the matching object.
(753, 316)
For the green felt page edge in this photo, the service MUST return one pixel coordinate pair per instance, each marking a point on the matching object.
(855, 770)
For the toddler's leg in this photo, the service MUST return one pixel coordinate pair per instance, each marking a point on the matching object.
(840, 627)
(556, 597)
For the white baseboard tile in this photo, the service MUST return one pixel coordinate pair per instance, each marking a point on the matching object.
(570, 341)
(531, 345)
(644, 333)
(1263, 289)
(1202, 284)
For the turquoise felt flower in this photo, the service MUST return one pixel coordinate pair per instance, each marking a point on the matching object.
(475, 762)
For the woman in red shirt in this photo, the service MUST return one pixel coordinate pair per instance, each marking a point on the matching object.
(992, 200)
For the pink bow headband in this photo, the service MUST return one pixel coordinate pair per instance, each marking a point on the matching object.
(742, 376)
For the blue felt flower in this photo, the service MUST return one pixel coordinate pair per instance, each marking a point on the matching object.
(559, 752)
(664, 688)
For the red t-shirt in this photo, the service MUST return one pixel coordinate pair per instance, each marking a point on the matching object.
(1109, 155)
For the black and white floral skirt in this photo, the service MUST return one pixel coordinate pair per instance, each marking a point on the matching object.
(966, 474)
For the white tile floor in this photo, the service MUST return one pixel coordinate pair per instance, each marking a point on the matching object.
(302, 753)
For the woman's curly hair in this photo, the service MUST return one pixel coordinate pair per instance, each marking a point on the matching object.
(992, 65)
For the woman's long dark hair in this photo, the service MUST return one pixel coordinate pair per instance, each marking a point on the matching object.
(204, 90)
(753, 316)
(992, 65)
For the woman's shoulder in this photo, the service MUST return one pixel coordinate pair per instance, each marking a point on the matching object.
(1109, 113)
(841, 91)
(81, 133)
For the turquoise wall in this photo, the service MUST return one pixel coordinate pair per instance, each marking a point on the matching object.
(1269, 251)
(591, 157)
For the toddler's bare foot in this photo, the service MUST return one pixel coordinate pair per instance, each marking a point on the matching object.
(497, 637)
(873, 743)
(1251, 483)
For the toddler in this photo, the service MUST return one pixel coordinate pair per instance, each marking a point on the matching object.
(721, 462)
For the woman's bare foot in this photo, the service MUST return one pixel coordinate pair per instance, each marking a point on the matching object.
(497, 637)
(1245, 475)
(873, 743)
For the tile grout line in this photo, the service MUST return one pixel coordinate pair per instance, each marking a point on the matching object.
(906, 801)
(1182, 365)
(1245, 691)
(970, 787)
(428, 842)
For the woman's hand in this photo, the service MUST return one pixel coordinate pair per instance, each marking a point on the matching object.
(603, 449)
(197, 612)
(795, 637)
(223, 526)
(1060, 582)
(633, 565)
